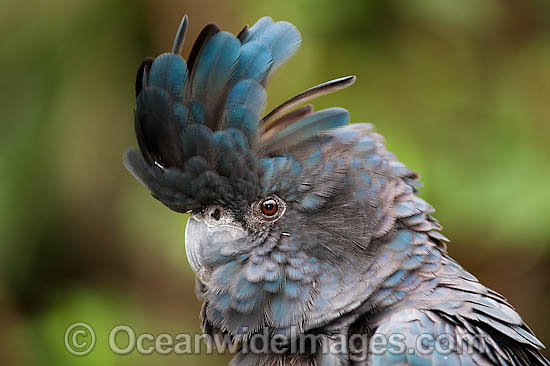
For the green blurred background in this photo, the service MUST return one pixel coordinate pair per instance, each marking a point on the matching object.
(460, 89)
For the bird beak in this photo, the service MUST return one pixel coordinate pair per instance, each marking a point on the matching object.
(204, 239)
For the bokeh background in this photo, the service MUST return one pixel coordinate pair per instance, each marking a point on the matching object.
(460, 89)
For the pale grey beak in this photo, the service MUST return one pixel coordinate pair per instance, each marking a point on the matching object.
(204, 236)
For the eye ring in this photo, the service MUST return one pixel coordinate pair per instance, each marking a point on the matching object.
(269, 207)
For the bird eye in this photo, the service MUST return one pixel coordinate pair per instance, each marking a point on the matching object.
(269, 207)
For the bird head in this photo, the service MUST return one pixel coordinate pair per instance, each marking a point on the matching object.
(285, 210)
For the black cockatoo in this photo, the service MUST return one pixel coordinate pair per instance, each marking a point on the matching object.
(302, 225)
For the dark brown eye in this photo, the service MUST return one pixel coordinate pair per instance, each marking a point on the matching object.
(269, 207)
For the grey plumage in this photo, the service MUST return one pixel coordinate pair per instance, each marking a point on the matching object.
(301, 224)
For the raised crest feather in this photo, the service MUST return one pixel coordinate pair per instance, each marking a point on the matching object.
(198, 122)
(180, 35)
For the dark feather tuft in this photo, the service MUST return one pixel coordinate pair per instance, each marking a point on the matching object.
(206, 33)
(180, 35)
(142, 70)
(242, 34)
(314, 92)
(157, 130)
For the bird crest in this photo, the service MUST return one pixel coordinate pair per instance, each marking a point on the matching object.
(199, 122)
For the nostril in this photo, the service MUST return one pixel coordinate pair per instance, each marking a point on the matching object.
(216, 214)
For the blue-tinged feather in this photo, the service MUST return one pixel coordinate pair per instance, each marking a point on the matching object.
(282, 38)
(197, 111)
(365, 144)
(314, 159)
(272, 276)
(413, 262)
(308, 127)
(243, 120)
(196, 141)
(283, 311)
(397, 168)
(258, 28)
(247, 305)
(222, 141)
(405, 209)
(181, 113)
(254, 272)
(196, 165)
(273, 286)
(221, 301)
(222, 276)
(345, 135)
(246, 93)
(169, 72)
(395, 278)
(214, 68)
(294, 273)
(310, 202)
(401, 240)
(239, 140)
(255, 60)
(293, 289)
(269, 169)
(296, 169)
(241, 288)
(356, 163)
(373, 161)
